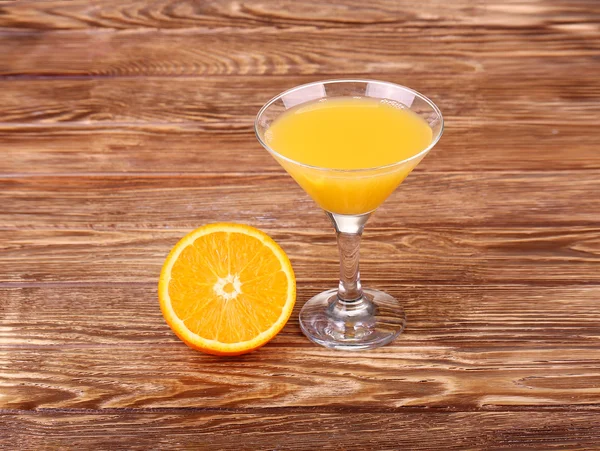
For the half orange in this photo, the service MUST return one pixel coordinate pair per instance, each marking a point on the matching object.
(226, 289)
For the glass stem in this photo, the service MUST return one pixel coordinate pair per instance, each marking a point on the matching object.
(349, 288)
(349, 231)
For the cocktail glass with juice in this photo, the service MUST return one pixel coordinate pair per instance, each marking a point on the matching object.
(349, 144)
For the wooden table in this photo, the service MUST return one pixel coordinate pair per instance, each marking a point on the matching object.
(125, 124)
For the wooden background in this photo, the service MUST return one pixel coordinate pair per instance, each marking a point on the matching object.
(126, 123)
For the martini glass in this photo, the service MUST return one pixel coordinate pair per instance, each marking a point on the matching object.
(350, 317)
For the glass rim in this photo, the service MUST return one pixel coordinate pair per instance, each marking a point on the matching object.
(349, 80)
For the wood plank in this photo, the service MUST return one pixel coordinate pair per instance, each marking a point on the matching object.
(426, 50)
(213, 103)
(175, 148)
(421, 255)
(469, 318)
(170, 14)
(171, 375)
(302, 50)
(168, 148)
(288, 430)
(550, 92)
(549, 88)
(182, 14)
(201, 123)
(463, 200)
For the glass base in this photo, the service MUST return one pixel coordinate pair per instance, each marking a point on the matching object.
(369, 322)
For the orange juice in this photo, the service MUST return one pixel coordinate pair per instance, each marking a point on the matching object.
(352, 151)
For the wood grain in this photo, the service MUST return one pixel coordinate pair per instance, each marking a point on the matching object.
(393, 378)
(114, 14)
(303, 47)
(236, 52)
(135, 14)
(185, 201)
(177, 148)
(210, 103)
(420, 255)
(213, 102)
(288, 430)
(125, 124)
(466, 318)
